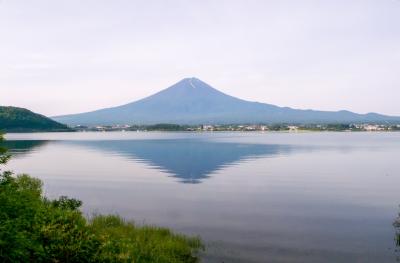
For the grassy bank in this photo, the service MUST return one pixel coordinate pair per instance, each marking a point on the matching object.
(36, 229)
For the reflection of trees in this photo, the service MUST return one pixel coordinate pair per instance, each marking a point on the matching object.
(22, 147)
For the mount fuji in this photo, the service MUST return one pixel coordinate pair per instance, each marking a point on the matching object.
(192, 101)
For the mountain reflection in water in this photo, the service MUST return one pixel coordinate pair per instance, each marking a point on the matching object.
(189, 160)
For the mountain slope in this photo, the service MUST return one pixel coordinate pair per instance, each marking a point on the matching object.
(13, 119)
(191, 101)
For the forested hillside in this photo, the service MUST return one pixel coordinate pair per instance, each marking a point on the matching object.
(13, 119)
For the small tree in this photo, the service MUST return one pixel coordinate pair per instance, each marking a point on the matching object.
(4, 156)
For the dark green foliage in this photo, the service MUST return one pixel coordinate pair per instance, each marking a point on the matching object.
(66, 203)
(19, 201)
(337, 127)
(35, 229)
(165, 127)
(14, 119)
(278, 127)
(159, 127)
(3, 153)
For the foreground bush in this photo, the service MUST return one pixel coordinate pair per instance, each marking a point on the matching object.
(35, 229)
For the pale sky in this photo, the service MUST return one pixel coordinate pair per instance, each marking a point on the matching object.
(60, 57)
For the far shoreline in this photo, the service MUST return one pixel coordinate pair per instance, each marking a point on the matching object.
(199, 132)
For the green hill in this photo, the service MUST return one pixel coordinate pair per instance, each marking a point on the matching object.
(13, 119)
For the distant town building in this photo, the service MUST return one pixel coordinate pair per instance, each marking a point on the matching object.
(207, 128)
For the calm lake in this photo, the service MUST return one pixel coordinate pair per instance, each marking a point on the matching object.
(252, 197)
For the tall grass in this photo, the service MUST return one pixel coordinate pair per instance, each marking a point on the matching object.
(130, 243)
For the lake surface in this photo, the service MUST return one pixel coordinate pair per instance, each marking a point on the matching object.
(252, 197)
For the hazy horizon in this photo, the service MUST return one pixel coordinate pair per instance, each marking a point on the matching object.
(64, 57)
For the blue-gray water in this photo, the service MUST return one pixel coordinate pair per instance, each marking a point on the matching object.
(253, 197)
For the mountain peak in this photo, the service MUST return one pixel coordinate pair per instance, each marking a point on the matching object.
(190, 86)
(191, 82)
(192, 78)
